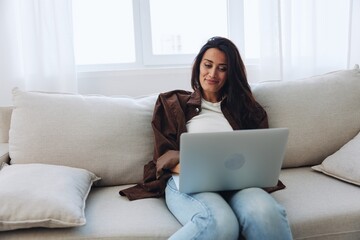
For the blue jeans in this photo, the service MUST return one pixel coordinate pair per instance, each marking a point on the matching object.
(250, 213)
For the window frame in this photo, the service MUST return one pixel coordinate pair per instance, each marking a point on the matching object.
(144, 59)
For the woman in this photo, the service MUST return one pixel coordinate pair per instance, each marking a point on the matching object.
(221, 101)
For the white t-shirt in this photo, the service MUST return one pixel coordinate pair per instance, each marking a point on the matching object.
(210, 119)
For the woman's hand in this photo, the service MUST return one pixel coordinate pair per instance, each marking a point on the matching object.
(176, 169)
(167, 161)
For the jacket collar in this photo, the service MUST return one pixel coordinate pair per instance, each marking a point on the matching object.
(195, 98)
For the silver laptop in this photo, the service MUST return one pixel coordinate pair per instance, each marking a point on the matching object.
(233, 160)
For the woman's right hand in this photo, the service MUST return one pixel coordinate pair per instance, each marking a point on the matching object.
(167, 161)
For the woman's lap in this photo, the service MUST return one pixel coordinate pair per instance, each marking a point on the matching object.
(203, 215)
(209, 215)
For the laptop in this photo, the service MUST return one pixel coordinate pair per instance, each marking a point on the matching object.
(234, 160)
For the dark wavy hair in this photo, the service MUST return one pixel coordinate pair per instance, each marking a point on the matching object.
(239, 97)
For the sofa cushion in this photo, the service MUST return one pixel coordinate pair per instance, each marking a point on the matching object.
(109, 136)
(5, 117)
(321, 112)
(345, 163)
(319, 206)
(38, 195)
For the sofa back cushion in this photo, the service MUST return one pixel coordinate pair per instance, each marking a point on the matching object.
(109, 136)
(322, 113)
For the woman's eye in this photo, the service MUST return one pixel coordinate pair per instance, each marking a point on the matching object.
(207, 65)
(223, 69)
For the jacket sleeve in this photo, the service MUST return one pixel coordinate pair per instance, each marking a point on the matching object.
(165, 157)
(166, 133)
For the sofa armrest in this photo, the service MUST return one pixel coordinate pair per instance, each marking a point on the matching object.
(4, 153)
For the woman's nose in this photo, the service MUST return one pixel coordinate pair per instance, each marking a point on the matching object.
(212, 72)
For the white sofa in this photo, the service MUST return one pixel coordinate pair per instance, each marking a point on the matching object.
(111, 137)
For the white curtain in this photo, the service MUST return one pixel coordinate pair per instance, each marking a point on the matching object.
(301, 38)
(36, 47)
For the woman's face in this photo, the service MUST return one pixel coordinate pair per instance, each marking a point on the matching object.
(213, 74)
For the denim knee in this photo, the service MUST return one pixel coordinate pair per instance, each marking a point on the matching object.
(226, 227)
(214, 226)
(261, 212)
(203, 215)
(260, 216)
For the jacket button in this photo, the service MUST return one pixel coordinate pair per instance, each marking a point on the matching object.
(197, 109)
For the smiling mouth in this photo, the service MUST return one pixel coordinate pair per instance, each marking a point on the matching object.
(211, 81)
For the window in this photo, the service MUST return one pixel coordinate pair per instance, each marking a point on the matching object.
(103, 32)
(176, 34)
(147, 33)
(185, 27)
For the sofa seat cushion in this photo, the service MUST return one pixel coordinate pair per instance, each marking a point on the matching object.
(319, 206)
(110, 216)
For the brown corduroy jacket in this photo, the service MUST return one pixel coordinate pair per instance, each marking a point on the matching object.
(171, 113)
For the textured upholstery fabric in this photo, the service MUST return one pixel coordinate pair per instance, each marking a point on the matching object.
(111, 137)
(321, 112)
(319, 206)
(5, 117)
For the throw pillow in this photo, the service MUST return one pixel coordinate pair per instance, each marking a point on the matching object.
(40, 195)
(345, 163)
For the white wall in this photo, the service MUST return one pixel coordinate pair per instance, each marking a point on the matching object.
(142, 81)
(134, 82)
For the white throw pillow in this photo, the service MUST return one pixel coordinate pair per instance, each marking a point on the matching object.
(39, 195)
(109, 136)
(345, 163)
